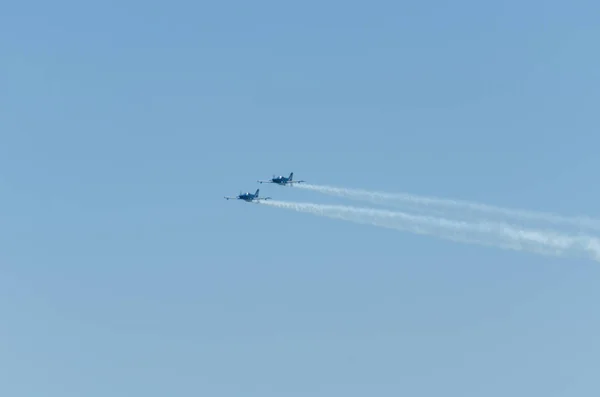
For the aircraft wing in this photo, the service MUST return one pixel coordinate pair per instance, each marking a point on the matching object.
(230, 198)
(264, 181)
(263, 198)
(292, 182)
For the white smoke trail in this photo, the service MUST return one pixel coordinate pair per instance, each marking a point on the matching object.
(441, 206)
(484, 233)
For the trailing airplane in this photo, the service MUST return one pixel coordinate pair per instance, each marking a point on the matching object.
(282, 180)
(248, 197)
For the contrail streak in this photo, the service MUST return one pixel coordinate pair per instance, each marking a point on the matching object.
(441, 206)
(484, 233)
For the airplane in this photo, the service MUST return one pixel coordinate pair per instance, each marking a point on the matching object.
(249, 197)
(282, 180)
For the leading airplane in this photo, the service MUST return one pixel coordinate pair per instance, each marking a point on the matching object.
(248, 197)
(282, 180)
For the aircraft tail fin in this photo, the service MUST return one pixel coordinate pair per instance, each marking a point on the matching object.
(291, 176)
(256, 194)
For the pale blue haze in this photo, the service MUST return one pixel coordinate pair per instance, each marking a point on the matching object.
(125, 273)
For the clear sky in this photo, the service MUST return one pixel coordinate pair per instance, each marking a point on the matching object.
(125, 273)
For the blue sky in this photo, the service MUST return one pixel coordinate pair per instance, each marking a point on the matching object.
(124, 272)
